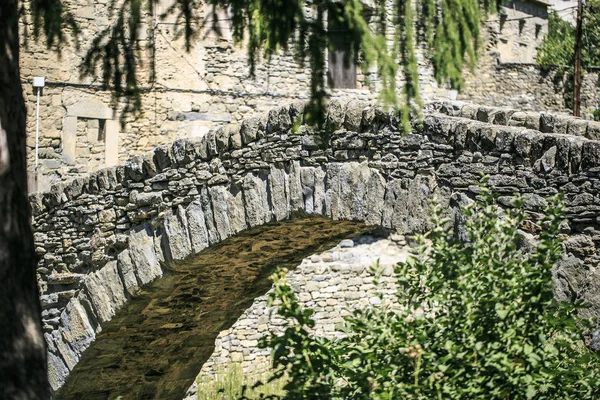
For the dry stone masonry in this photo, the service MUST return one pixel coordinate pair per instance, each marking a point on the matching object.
(332, 284)
(101, 237)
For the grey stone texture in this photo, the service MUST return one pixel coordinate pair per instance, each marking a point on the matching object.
(102, 236)
(332, 284)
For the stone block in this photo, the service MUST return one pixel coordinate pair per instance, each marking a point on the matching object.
(222, 136)
(256, 200)
(575, 153)
(57, 371)
(145, 199)
(161, 157)
(279, 120)
(143, 255)
(91, 109)
(69, 139)
(353, 115)
(335, 117)
(468, 111)
(111, 141)
(590, 156)
(219, 196)
(178, 154)
(176, 236)
(197, 227)
(134, 168)
(577, 127)
(593, 130)
(213, 234)
(529, 144)
(249, 129)
(279, 193)
(106, 291)
(127, 269)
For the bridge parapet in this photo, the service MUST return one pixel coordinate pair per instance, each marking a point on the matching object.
(103, 236)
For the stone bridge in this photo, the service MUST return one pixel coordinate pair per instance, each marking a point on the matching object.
(103, 237)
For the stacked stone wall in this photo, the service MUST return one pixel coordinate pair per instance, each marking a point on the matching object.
(332, 284)
(102, 236)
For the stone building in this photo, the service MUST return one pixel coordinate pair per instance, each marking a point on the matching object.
(186, 93)
(520, 26)
(82, 128)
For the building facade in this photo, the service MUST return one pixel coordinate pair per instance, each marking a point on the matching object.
(186, 93)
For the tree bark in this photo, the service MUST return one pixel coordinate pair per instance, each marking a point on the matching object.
(22, 346)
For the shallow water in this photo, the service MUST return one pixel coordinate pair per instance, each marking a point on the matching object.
(155, 346)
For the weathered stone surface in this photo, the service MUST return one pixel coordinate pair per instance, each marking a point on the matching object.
(569, 278)
(143, 255)
(106, 291)
(279, 120)
(235, 209)
(213, 234)
(295, 187)
(127, 272)
(76, 327)
(353, 181)
(57, 371)
(256, 201)
(197, 227)
(219, 196)
(279, 190)
(374, 198)
(593, 130)
(177, 238)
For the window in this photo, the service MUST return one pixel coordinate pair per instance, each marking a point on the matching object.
(341, 66)
(538, 29)
(503, 18)
(521, 26)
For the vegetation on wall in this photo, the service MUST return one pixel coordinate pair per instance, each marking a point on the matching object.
(475, 320)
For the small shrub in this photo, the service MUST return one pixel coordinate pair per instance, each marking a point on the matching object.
(474, 321)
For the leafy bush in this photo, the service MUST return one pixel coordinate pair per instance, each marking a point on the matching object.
(473, 321)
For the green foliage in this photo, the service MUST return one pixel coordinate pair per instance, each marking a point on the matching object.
(267, 26)
(558, 48)
(230, 382)
(473, 321)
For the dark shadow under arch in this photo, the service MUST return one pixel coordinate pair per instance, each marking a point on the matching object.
(156, 344)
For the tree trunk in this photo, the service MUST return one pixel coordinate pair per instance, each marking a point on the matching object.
(22, 347)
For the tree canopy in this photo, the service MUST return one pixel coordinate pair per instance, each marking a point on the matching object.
(449, 30)
(558, 47)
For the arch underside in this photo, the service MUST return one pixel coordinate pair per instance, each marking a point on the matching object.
(154, 347)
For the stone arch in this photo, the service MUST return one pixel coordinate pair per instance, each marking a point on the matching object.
(104, 236)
